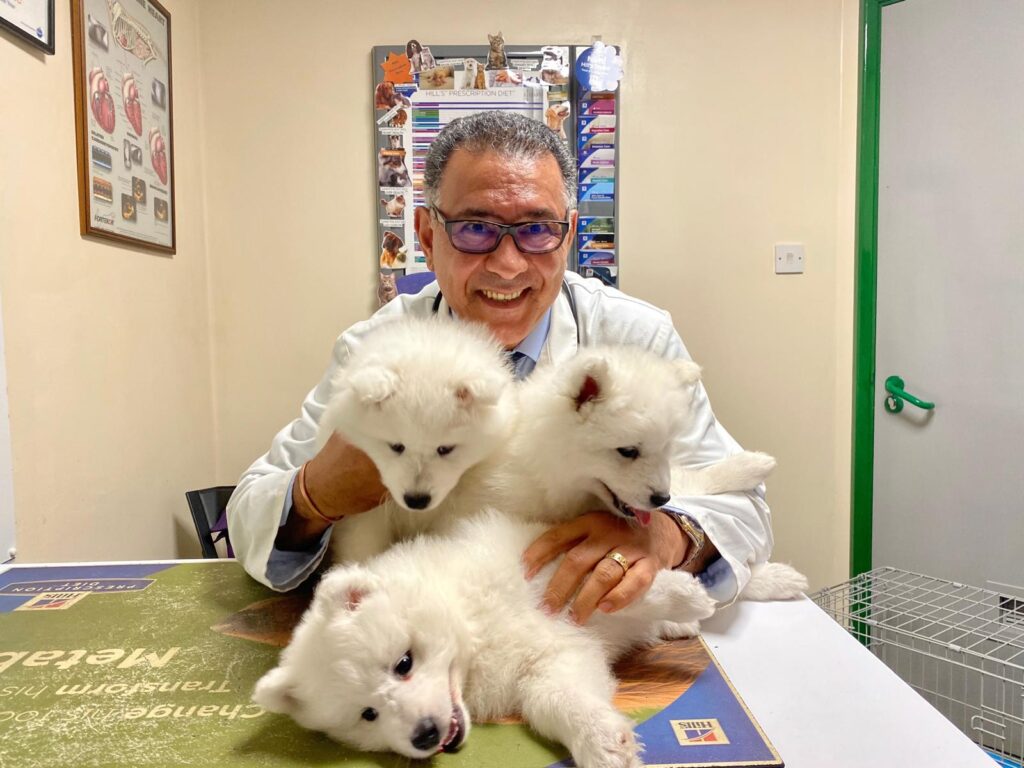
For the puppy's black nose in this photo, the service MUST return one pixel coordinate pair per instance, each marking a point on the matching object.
(417, 500)
(426, 736)
(659, 499)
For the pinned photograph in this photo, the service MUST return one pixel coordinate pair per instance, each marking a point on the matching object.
(395, 206)
(391, 170)
(555, 116)
(554, 67)
(440, 78)
(392, 250)
(386, 97)
(420, 56)
(504, 78)
(387, 289)
(496, 56)
(398, 119)
(473, 76)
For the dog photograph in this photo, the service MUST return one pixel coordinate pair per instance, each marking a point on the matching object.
(555, 116)
(398, 119)
(391, 250)
(385, 96)
(440, 78)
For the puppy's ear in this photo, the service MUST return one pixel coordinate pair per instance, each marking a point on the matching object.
(373, 383)
(275, 692)
(687, 371)
(482, 390)
(344, 589)
(588, 383)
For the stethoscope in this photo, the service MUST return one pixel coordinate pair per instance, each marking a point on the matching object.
(566, 290)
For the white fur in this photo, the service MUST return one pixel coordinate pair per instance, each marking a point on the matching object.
(481, 648)
(424, 385)
(458, 599)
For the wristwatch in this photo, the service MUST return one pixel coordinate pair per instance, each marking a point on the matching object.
(692, 530)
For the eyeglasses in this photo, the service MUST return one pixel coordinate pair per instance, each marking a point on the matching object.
(477, 236)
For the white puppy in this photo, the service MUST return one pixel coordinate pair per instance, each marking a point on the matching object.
(430, 402)
(601, 431)
(400, 654)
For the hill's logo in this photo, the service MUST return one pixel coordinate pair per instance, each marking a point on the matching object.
(52, 601)
(693, 733)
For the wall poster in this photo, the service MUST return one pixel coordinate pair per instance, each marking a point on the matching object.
(419, 89)
(123, 121)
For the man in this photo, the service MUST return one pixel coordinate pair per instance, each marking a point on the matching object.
(499, 217)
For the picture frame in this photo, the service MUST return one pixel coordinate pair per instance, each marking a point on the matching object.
(124, 121)
(31, 21)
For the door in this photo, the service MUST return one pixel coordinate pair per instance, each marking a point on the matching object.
(949, 481)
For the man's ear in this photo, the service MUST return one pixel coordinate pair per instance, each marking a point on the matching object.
(425, 232)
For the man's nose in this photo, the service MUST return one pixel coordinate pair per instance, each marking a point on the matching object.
(506, 260)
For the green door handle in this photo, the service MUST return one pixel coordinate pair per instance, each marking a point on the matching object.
(897, 394)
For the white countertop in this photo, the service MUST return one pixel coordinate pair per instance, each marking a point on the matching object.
(823, 699)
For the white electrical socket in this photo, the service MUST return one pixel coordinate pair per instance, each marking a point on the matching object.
(789, 259)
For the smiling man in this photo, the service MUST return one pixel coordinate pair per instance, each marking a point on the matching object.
(496, 230)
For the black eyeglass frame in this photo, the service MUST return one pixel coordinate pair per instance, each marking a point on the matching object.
(503, 229)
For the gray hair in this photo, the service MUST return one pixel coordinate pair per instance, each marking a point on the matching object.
(510, 134)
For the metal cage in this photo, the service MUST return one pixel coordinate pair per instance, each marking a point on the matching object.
(960, 647)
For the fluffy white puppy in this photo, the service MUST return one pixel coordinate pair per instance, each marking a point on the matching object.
(402, 653)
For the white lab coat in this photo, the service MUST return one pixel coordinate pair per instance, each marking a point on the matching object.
(739, 524)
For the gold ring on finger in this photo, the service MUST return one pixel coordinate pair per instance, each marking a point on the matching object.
(619, 558)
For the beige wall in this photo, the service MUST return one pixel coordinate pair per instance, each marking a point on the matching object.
(108, 348)
(738, 133)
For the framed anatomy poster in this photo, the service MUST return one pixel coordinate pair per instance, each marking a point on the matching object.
(124, 119)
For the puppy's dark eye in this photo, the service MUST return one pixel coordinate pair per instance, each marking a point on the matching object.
(444, 450)
(404, 665)
(631, 452)
(396, 447)
(369, 714)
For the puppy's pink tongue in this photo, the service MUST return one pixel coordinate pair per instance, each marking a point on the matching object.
(643, 516)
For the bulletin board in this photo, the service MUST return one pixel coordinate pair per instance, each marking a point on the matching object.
(418, 89)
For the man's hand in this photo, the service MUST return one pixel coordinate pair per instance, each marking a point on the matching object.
(606, 586)
(341, 481)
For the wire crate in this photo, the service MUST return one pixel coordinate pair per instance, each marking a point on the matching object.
(960, 647)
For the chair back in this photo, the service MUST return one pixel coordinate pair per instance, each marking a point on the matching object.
(209, 513)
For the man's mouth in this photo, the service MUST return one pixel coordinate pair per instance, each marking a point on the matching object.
(505, 298)
(642, 516)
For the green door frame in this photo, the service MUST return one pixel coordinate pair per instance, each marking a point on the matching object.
(866, 286)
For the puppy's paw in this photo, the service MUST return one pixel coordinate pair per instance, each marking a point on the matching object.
(774, 581)
(675, 630)
(690, 601)
(608, 742)
(750, 468)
